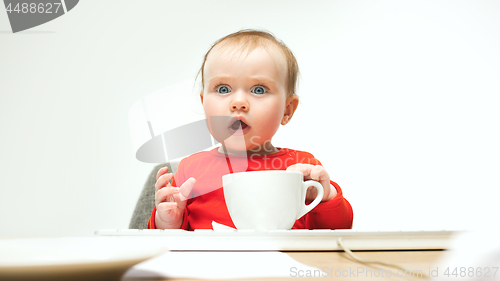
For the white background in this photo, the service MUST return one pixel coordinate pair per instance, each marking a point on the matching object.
(399, 100)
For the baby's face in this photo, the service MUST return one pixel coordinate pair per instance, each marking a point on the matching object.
(251, 89)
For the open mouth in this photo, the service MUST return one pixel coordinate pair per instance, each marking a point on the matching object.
(238, 127)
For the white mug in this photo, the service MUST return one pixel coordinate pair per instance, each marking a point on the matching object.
(268, 200)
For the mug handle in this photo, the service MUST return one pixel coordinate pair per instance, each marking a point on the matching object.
(304, 209)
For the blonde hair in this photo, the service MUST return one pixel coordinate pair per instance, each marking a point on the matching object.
(250, 39)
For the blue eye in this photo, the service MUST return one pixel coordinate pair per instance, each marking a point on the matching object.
(223, 90)
(259, 90)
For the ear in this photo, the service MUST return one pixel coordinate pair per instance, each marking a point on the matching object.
(290, 107)
(201, 97)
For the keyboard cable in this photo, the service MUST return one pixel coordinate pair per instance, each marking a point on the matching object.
(365, 261)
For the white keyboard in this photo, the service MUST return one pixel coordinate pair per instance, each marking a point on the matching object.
(289, 240)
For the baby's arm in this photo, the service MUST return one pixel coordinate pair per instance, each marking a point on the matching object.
(170, 201)
(316, 173)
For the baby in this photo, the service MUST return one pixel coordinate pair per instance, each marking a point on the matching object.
(249, 79)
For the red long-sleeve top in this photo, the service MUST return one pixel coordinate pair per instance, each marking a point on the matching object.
(207, 204)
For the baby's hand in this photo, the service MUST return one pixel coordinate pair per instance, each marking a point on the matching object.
(316, 173)
(170, 201)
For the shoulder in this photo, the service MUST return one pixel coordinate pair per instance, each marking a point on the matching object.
(190, 164)
(291, 152)
(301, 156)
(195, 158)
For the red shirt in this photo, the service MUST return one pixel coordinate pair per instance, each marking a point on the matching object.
(207, 204)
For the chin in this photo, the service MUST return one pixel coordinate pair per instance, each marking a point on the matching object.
(236, 145)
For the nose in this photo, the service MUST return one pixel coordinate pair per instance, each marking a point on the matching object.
(239, 102)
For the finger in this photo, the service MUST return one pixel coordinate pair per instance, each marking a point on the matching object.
(299, 167)
(312, 191)
(303, 168)
(318, 173)
(186, 189)
(166, 206)
(161, 171)
(294, 167)
(163, 180)
(165, 193)
(333, 192)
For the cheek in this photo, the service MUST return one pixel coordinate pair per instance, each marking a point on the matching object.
(210, 106)
(214, 110)
(276, 115)
(271, 120)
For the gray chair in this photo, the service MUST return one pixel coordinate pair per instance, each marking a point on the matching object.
(146, 202)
